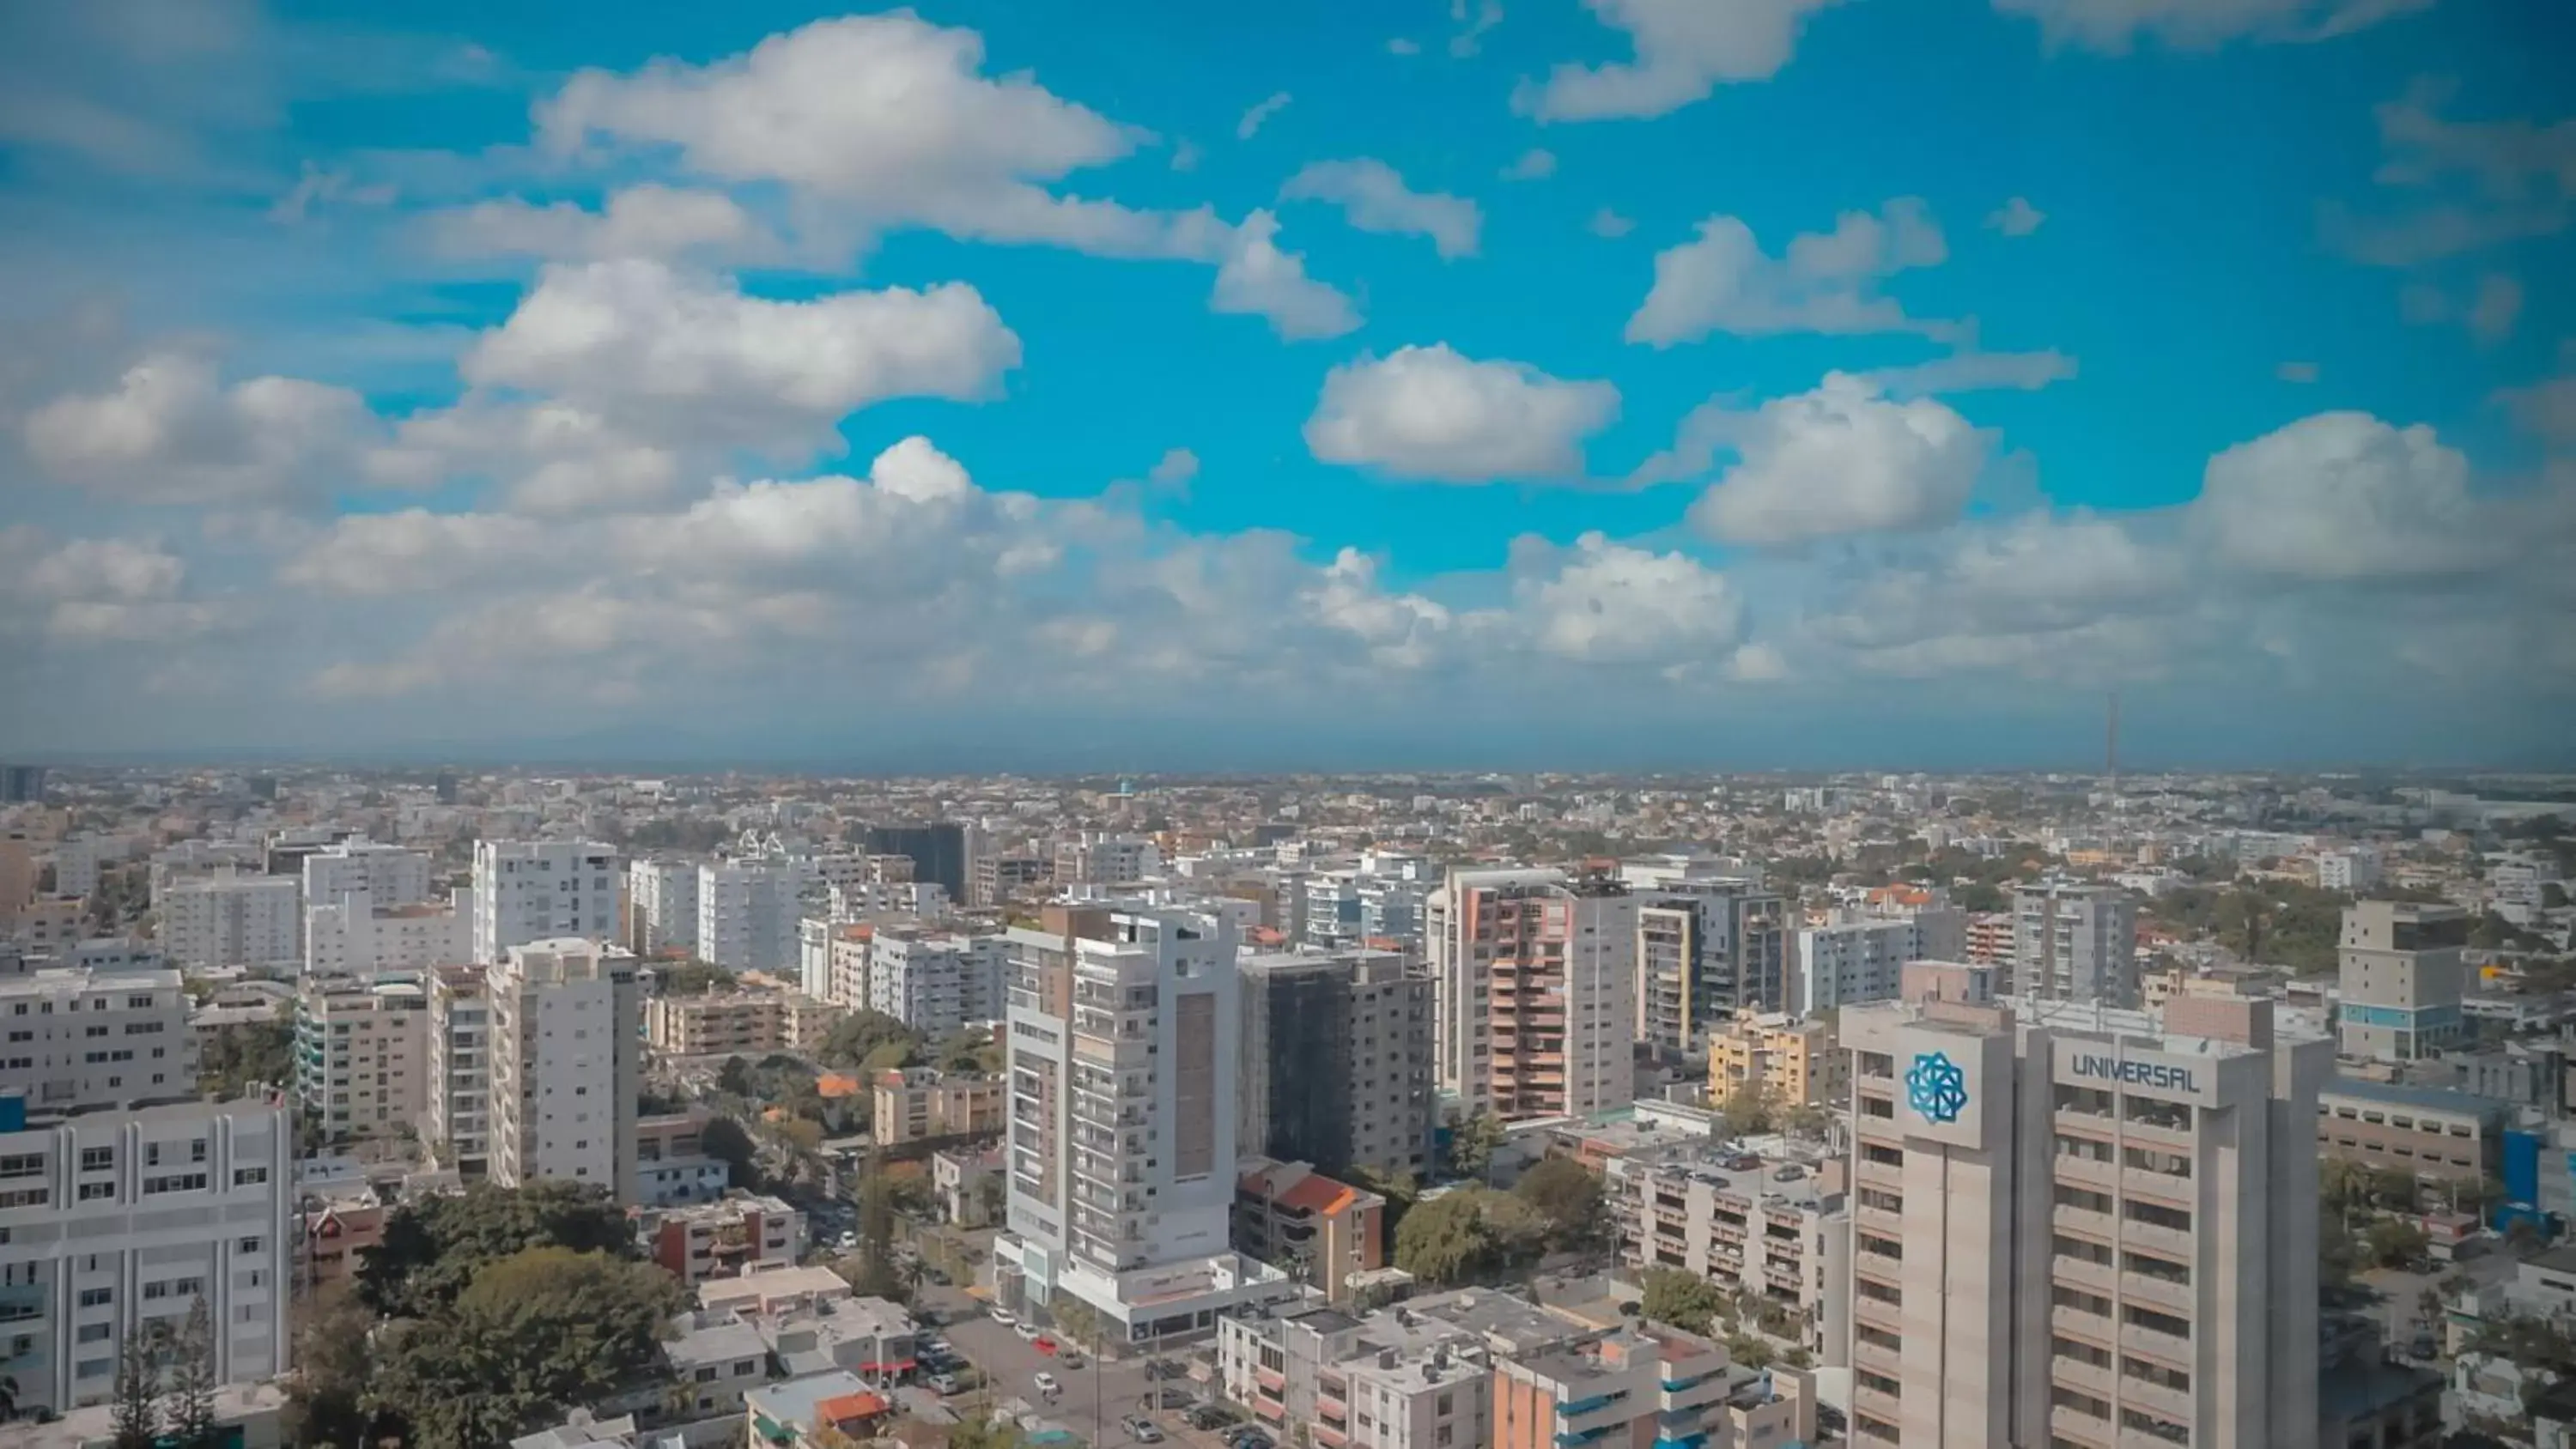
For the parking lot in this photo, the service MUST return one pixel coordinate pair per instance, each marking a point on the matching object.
(1095, 1398)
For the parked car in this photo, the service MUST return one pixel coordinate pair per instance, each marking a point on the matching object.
(1072, 1358)
(1163, 1368)
(946, 1384)
(1170, 1398)
(1047, 1384)
(1004, 1317)
(1208, 1416)
(1027, 1331)
(933, 1346)
(1141, 1429)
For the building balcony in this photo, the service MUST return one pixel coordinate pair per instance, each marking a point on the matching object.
(2079, 1428)
(2170, 1242)
(2085, 1172)
(2161, 1187)
(2175, 1298)
(2167, 1349)
(2156, 1399)
(2090, 1276)
(2075, 1373)
(1876, 1403)
(2085, 1222)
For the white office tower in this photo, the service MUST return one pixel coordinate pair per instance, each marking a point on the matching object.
(356, 936)
(114, 1222)
(663, 896)
(234, 920)
(749, 910)
(1860, 958)
(2069, 1228)
(2076, 942)
(1122, 1132)
(361, 1056)
(935, 981)
(566, 1044)
(79, 1038)
(389, 875)
(1534, 978)
(542, 890)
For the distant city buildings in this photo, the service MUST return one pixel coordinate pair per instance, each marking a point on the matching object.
(2074, 942)
(234, 920)
(748, 911)
(1337, 1062)
(938, 852)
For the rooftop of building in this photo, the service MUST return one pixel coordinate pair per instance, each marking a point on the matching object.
(704, 1338)
(54, 980)
(2422, 1099)
(836, 1396)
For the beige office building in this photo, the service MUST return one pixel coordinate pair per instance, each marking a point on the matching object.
(565, 1034)
(2071, 1230)
(2400, 972)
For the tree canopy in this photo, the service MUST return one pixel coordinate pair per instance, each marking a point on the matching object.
(1565, 1193)
(1472, 1143)
(1465, 1232)
(1685, 1300)
(433, 1248)
(855, 1038)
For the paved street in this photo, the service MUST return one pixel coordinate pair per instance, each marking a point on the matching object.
(1011, 1363)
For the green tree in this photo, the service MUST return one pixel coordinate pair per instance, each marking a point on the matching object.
(691, 978)
(984, 1434)
(237, 1056)
(1685, 1300)
(188, 1393)
(877, 1275)
(132, 1408)
(533, 1334)
(854, 1037)
(724, 1140)
(1752, 1352)
(2392, 1242)
(1567, 1195)
(1472, 1143)
(435, 1246)
(734, 1078)
(327, 1400)
(1445, 1239)
(1074, 1320)
(1746, 1112)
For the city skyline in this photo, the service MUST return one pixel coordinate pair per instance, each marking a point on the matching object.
(1802, 385)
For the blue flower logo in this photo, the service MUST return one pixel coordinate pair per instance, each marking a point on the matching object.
(1935, 1087)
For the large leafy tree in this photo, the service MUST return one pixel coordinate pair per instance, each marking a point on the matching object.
(857, 1037)
(1472, 1143)
(433, 1248)
(1566, 1194)
(533, 1334)
(1687, 1301)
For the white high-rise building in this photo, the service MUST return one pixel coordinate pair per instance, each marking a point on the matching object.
(111, 1222)
(80, 1038)
(935, 981)
(234, 920)
(355, 936)
(1862, 958)
(389, 875)
(361, 1056)
(1098, 859)
(663, 896)
(2348, 870)
(566, 1046)
(539, 890)
(1122, 1136)
(1535, 979)
(749, 910)
(77, 861)
(2071, 1227)
(2076, 942)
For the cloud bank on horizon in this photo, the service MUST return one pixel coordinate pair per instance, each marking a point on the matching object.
(1781, 382)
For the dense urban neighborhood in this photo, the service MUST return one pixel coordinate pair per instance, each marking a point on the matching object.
(457, 1108)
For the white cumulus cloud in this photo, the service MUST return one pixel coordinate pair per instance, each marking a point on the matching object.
(647, 220)
(1685, 50)
(171, 431)
(1840, 460)
(1428, 412)
(2343, 497)
(1374, 198)
(1722, 281)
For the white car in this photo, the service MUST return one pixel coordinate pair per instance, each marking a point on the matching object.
(1046, 1383)
(1003, 1317)
(1025, 1330)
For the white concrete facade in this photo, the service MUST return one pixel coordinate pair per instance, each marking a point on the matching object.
(663, 895)
(234, 920)
(2075, 942)
(78, 1038)
(362, 1056)
(538, 890)
(115, 1220)
(749, 911)
(353, 935)
(566, 1049)
(388, 875)
(935, 982)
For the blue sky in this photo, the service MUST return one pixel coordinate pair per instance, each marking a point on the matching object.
(1780, 383)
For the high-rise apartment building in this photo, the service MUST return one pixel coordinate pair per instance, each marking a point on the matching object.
(234, 920)
(542, 890)
(1001, 879)
(1706, 950)
(1337, 1062)
(21, 784)
(1790, 1061)
(456, 1107)
(2348, 870)
(2076, 942)
(2400, 970)
(1535, 985)
(1122, 1122)
(938, 852)
(17, 873)
(566, 1045)
(79, 1038)
(935, 981)
(748, 912)
(2069, 1227)
(116, 1222)
(1096, 858)
(388, 875)
(662, 905)
(1861, 959)
(362, 1056)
